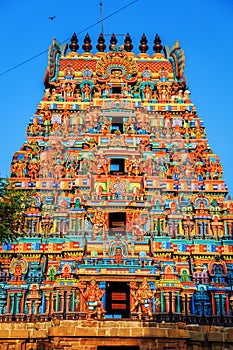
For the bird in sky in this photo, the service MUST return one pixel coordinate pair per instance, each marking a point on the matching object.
(52, 17)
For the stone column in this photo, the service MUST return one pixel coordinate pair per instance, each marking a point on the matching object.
(213, 304)
(227, 304)
(72, 301)
(22, 302)
(166, 295)
(12, 301)
(52, 300)
(162, 301)
(223, 304)
(18, 298)
(173, 302)
(57, 306)
(47, 294)
(61, 300)
(68, 295)
(189, 297)
(177, 301)
(217, 303)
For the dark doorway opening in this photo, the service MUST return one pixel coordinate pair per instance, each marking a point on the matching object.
(117, 222)
(117, 166)
(117, 125)
(116, 90)
(117, 300)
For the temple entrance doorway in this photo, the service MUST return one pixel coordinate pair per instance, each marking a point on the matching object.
(117, 300)
(117, 222)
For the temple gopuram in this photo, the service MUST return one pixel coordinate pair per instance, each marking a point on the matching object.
(128, 239)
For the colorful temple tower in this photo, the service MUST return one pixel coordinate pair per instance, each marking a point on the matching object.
(130, 221)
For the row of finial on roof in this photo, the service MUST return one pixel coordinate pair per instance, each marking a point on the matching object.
(87, 46)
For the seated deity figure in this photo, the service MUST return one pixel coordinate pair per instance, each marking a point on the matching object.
(69, 72)
(87, 72)
(116, 76)
(146, 74)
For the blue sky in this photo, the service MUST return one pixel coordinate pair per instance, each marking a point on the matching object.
(204, 29)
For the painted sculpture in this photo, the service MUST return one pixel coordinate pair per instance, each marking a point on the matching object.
(131, 217)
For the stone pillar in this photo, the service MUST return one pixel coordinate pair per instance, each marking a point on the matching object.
(217, 303)
(213, 304)
(12, 301)
(68, 296)
(162, 301)
(57, 306)
(47, 294)
(178, 302)
(52, 294)
(22, 302)
(61, 300)
(205, 228)
(173, 302)
(166, 295)
(72, 301)
(189, 297)
(18, 298)
(199, 224)
(223, 304)
(37, 304)
(227, 304)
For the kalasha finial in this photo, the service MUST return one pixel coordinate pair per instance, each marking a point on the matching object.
(157, 44)
(113, 42)
(74, 43)
(128, 43)
(101, 43)
(143, 47)
(87, 43)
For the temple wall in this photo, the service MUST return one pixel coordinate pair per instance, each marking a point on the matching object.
(84, 335)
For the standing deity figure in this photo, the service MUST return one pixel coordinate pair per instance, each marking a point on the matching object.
(86, 92)
(164, 91)
(133, 166)
(99, 221)
(68, 88)
(33, 169)
(142, 297)
(93, 295)
(147, 92)
(102, 164)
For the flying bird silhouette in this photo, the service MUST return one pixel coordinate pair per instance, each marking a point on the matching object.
(52, 17)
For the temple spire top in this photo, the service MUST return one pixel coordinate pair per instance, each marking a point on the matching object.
(74, 43)
(157, 46)
(143, 47)
(113, 42)
(101, 43)
(128, 43)
(87, 44)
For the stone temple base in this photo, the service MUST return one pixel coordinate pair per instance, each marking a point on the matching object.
(113, 335)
